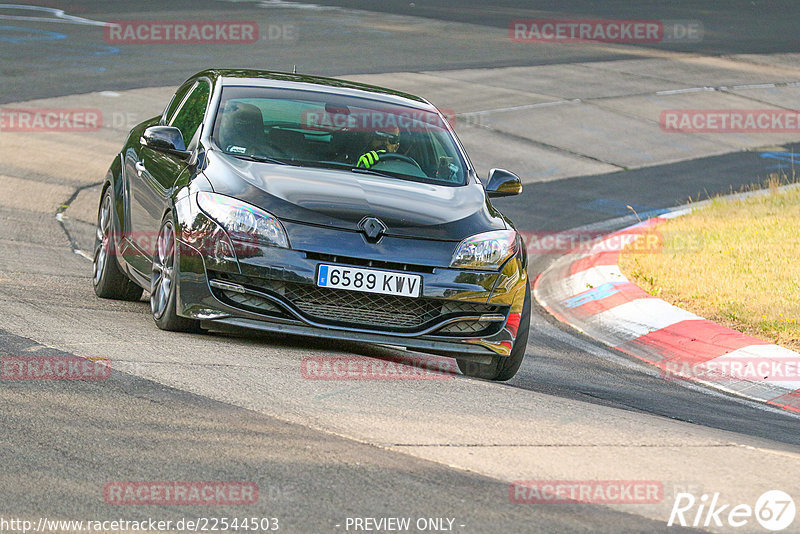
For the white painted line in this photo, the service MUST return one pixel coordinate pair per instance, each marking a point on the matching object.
(754, 86)
(517, 108)
(84, 255)
(677, 213)
(58, 15)
(680, 91)
(295, 5)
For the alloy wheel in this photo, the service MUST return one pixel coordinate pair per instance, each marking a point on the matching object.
(163, 269)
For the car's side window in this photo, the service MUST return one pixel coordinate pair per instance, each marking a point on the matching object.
(175, 102)
(190, 115)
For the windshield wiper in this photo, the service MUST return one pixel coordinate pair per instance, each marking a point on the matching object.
(342, 166)
(322, 164)
(363, 170)
(260, 159)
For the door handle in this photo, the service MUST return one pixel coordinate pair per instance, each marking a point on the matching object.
(139, 167)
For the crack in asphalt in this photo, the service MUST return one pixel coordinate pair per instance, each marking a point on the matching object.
(60, 218)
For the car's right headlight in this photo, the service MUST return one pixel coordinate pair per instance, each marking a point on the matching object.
(243, 221)
(486, 251)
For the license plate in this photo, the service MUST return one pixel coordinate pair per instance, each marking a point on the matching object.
(369, 280)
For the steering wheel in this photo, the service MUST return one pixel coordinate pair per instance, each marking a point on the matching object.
(389, 156)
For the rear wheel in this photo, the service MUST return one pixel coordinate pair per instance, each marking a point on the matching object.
(108, 279)
(504, 368)
(164, 286)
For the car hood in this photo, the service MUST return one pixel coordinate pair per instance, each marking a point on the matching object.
(340, 199)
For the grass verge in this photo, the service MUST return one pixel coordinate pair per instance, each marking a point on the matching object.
(735, 262)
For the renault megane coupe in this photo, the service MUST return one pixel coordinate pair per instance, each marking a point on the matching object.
(318, 207)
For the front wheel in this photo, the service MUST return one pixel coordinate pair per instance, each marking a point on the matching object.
(504, 368)
(108, 279)
(164, 285)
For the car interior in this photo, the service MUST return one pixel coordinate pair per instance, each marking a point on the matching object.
(244, 130)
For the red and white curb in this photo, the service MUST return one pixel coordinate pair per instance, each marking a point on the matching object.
(587, 290)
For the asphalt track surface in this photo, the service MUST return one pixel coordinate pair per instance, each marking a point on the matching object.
(46, 59)
(62, 441)
(731, 27)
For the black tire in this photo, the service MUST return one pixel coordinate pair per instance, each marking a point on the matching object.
(504, 368)
(108, 279)
(164, 286)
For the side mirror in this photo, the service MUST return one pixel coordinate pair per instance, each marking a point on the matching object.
(503, 183)
(165, 139)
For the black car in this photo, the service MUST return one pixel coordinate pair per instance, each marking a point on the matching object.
(315, 206)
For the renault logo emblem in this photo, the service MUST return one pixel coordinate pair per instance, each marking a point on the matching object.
(373, 228)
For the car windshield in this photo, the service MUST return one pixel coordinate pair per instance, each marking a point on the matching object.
(317, 129)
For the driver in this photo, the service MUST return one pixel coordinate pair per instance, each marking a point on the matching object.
(381, 142)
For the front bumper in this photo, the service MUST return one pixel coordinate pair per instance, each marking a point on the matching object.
(469, 314)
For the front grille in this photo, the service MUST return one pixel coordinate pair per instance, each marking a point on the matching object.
(356, 309)
(251, 302)
(469, 328)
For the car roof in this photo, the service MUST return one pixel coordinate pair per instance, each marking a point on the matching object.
(287, 80)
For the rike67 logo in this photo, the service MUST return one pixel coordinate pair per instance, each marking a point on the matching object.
(774, 510)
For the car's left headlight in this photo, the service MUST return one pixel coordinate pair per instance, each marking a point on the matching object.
(486, 251)
(243, 221)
